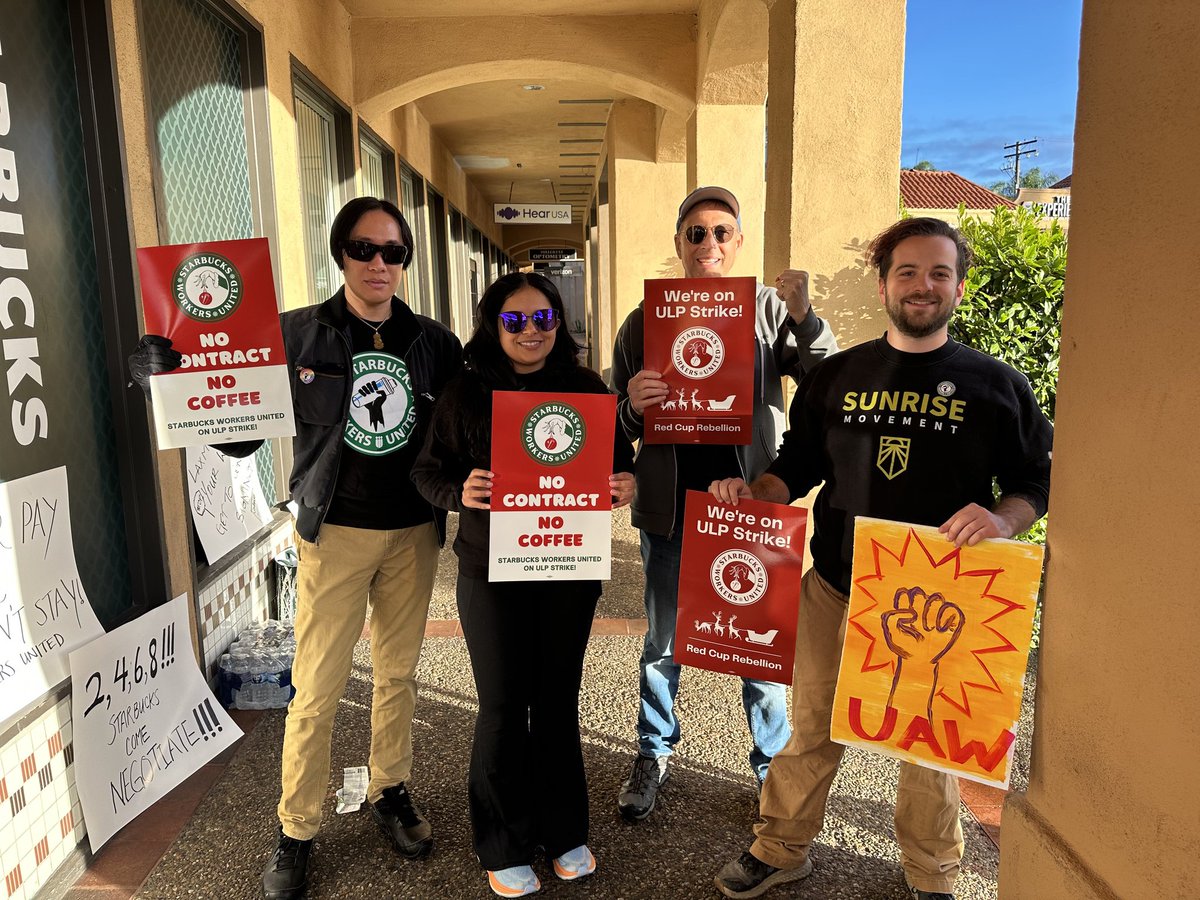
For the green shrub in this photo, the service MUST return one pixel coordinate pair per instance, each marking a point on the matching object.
(1012, 305)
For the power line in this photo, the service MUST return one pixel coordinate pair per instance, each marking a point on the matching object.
(1015, 156)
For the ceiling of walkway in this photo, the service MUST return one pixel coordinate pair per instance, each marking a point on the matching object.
(531, 140)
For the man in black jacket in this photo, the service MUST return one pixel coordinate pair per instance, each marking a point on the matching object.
(365, 371)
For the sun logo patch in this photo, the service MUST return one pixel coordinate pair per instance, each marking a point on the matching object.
(553, 434)
(206, 287)
(893, 455)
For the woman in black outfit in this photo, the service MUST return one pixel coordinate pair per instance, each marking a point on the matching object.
(526, 639)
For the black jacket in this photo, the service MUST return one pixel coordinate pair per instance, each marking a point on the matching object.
(318, 338)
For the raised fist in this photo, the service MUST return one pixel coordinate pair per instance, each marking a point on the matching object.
(920, 629)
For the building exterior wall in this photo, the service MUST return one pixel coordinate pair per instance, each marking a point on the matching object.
(1111, 806)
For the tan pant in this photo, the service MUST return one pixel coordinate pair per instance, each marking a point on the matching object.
(792, 809)
(336, 577)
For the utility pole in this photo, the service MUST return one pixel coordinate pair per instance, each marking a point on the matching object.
(1015, 156)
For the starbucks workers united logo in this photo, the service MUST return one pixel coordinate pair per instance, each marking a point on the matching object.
(382, 413)
(553, 434)
(207, 287)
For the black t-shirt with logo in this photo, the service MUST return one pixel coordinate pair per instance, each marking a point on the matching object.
(910, 437)
(373, 487)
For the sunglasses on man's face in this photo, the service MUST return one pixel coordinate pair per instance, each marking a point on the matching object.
(364, 251)
(543, 320)
(695, 234)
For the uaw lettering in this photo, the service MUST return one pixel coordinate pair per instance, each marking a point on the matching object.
(23, 379)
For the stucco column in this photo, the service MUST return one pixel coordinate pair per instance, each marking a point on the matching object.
(725, 147)
(835, 76)
(1111, 806)
(644, 192)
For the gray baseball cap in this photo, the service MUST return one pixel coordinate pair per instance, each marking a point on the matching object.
(700, 194)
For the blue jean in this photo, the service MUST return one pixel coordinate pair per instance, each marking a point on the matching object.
(765, 702)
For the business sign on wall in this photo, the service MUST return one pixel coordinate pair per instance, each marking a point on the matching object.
(532, 213)
(552, 254)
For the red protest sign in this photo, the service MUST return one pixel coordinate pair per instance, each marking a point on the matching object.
(551, 508)
(739, 587)
(216, 302)
(700, 335)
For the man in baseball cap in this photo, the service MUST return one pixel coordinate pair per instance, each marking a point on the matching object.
(789, 339)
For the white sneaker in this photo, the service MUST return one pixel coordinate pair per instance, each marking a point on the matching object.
(575, 863)
(515, 881)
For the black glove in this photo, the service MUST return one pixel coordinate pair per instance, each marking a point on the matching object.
(153, 354)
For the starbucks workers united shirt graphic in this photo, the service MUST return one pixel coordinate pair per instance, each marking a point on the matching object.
(216, 302)
(382, 413)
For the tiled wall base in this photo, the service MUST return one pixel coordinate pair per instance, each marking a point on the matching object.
(239, 596)
(40, 818)
(41, 823)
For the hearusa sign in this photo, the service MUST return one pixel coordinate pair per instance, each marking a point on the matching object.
(532, 213)
(216, 302)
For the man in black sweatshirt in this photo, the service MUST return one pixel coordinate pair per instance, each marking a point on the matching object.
(912, 427)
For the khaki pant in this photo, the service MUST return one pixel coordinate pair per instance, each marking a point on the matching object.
(336, 577)
(792, 809)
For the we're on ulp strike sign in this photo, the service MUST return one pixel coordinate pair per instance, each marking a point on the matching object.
(216, 302)
(551, 507)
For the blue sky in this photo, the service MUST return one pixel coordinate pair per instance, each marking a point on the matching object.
(979, 74)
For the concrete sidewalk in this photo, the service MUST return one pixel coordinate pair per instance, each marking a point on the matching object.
(703, 817)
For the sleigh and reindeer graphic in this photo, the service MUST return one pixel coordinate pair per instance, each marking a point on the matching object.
(719, 627)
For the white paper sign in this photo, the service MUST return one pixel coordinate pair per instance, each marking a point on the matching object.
(44, 609)
(226, 499)
(143, 717)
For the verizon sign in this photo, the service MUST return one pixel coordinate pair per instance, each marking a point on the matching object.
(532, 213)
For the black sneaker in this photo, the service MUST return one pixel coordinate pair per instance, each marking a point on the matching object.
(918, 894)
(749, 876)
(403, 823)
(285, 876)
(640, 789)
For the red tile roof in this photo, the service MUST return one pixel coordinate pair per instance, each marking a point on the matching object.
(1065, 183)
(946, 190)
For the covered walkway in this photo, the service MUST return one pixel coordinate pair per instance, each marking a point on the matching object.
(210, 838)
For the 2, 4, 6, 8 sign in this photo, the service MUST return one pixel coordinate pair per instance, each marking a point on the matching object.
(148, 661)
(148, 726)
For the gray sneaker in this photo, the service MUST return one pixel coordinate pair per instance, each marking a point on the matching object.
(640, 789)
(748, 876)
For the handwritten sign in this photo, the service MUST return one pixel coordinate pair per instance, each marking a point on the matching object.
(216, 302)
(551, 507)
(937, 641)
(700, 336)
(44, 609)
(226, 499)
(739, 587)
(143, 716)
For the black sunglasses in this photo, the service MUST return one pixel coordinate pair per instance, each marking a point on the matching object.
(695, 234)
(543, 320)
(364, 251)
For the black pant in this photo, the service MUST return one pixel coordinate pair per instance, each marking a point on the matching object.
(527, 786)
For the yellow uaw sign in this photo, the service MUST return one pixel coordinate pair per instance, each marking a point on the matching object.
(936, 646)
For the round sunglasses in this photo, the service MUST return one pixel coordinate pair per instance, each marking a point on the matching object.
(695, 234)
(364, 251)
(543, 320)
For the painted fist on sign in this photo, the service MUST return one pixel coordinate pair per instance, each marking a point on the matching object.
(920, 629)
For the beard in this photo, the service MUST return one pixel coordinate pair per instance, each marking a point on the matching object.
(915, 325)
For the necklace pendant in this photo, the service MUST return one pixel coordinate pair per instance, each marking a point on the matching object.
(378, 341)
